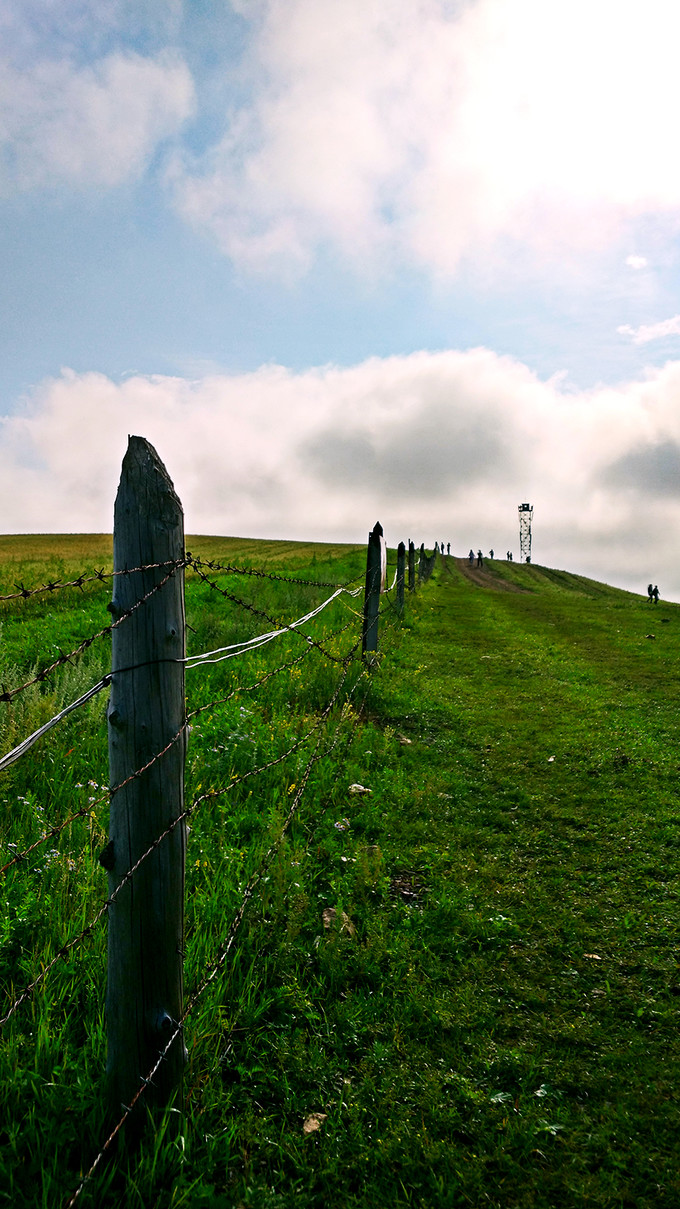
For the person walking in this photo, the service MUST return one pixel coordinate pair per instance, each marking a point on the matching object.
(480, 560)
(471, 556)
(655, 594)
(650, 593)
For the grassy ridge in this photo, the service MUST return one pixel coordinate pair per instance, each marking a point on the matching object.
(470, 972)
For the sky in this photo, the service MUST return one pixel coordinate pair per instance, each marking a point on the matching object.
(348, 260)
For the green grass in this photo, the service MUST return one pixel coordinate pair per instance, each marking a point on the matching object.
(487, 1014)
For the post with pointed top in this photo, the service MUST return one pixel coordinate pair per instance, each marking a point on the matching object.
(401, 568)
(146, 716)
(411, 566)
(369, 641)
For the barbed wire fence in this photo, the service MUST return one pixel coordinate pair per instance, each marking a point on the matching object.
(331, 733)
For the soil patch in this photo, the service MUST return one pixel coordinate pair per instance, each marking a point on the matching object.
(484, 577)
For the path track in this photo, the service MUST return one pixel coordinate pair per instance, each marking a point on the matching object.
(482, 577)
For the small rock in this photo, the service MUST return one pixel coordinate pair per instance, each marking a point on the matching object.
(313, 1123)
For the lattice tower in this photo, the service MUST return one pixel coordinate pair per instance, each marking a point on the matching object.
(526, 515)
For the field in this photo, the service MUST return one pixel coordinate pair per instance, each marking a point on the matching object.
(463, 983)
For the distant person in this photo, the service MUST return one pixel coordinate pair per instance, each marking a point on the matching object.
(650, 593)
(490, 553)
(655, 594)
(471, 556)
(480, 560)
(448, 547)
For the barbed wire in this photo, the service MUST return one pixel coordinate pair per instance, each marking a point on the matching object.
(309, 649)
(102, 576)
(56, 830)
(90, 809)
(191, 662)
(228, 569)
(279, 626)
(24, 593)
(209, 795)
(349, 737)
(9, 694)
(218, 963)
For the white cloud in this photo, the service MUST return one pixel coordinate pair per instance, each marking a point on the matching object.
(426, 129)
(96, 124)
(636, 262)
(651, 331)
(434, 445)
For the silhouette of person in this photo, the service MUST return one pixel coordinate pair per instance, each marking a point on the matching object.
(448, 547)
(490, 553)
(655, 594)
(480, 560)
(650, 593)
(471, 556)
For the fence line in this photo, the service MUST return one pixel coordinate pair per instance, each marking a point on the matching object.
(56, 830)
(261, 613)
(186, 814)
(322, 748)
(191, 662)
(254, 880)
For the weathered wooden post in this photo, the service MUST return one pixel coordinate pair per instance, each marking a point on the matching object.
(369, 641)
(401, 566)
(421, 561)
(411, 567)
(146, 711)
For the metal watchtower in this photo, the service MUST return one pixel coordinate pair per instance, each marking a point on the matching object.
(526, 514)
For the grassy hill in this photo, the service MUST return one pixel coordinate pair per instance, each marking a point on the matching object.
(466, 979)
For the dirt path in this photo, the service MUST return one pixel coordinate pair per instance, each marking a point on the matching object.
(483, 577)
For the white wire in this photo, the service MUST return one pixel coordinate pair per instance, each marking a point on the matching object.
(191, 661)
(236, 648)
(24, 746)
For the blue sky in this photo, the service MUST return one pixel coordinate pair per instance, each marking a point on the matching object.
(414, 259)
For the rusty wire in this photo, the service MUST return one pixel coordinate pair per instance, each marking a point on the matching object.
(9, 694)
(279, 625)
(209, 795)
(57, 829)
(348, 741)
(228, 569)
(225, 948)
(23, 593)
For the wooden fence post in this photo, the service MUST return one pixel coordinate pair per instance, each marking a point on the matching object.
(422, 559)
(411, 567)
(369, 641)
(146, 712)
(401, 561)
